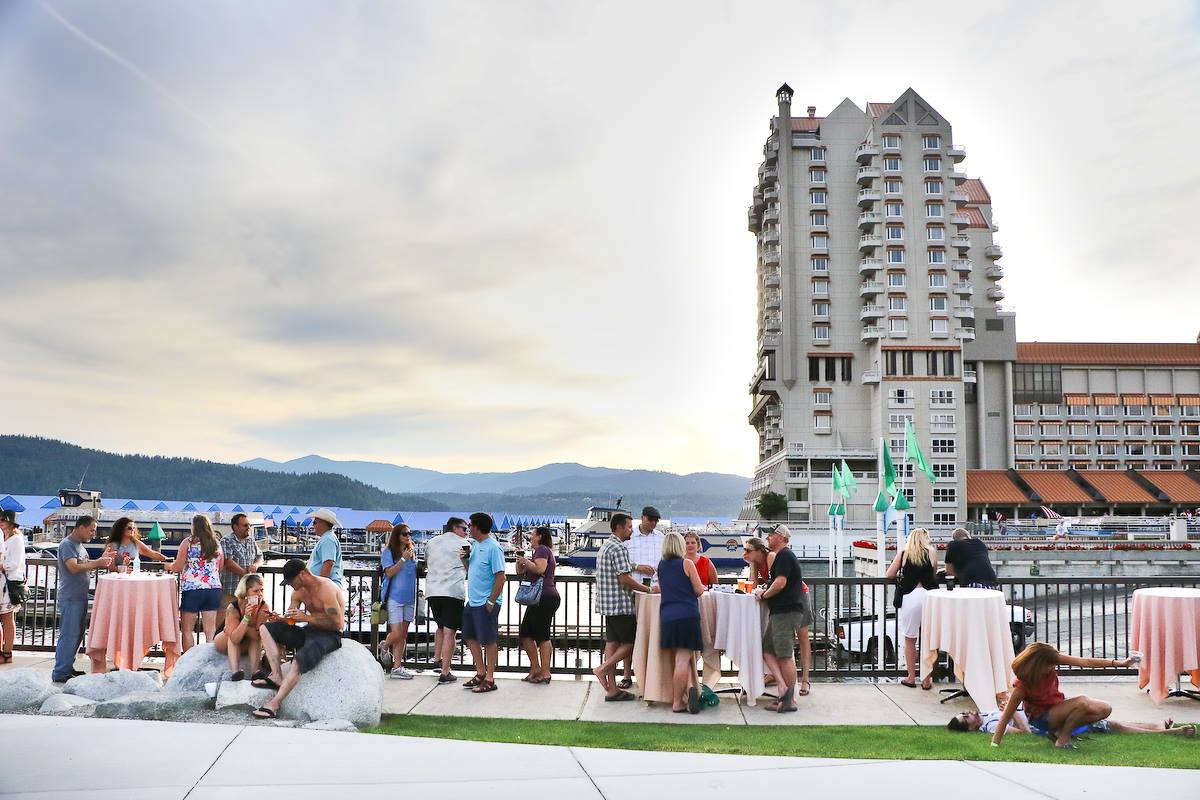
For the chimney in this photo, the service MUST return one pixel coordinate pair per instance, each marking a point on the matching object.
(812, 111)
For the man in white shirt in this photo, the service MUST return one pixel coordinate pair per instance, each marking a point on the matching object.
(445, 590)
(645, 550)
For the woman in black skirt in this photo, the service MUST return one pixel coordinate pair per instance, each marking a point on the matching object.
(679, 621)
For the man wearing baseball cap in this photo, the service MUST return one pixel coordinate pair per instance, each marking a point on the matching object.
(326, 558)
(645, 550)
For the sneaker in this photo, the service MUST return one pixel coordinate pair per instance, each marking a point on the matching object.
(449, 677)
(402, 674)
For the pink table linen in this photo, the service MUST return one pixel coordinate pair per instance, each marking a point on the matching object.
(132, 613)
(651, 669)
(740, 621)
(1166, 630)
(972, 626)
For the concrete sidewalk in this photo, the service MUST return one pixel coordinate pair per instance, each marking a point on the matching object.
(859, 703)
(51, 758)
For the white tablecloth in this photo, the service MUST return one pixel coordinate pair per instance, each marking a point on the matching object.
(740, 621)
(652, 671)
(972, 626)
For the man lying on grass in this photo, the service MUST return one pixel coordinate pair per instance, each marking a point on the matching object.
(987, 721)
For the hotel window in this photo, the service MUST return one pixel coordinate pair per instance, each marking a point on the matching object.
(1135, 411)
(932, 164)
(1162, 411)
(1079, 428)
(1077, 411)
(938, 304)
(941, 423)
(897, 304)
(818, 219)
(931, 141)
(816, 175)
(944, 496)
(1190, 448)
(1051, 410)
(898, 362)
(937, 280)
(1164, 449)
(910, 495)
(943, 447)
(1052, 429)
(1191, 428)
(820, 309)
(1135, 449)
(935, 233)
(893, 210)
(1023, 409)
(897, 447)
(820, 264)
(1080, 448)
(891, 164)
(945, 518)
(893, 186)
(939, 327)
(1024, 448)
(944, 471)
(941, 397)
(897, 280)
(1037, 383)
(896, 422)
(820, 241)
(817, 154)
(1189, 411)
(822, 423)
(895, 233)
(846, 361)
(817, 198)
(898, 327)
(1106, 411)
(1109, 465)
(899, 398)
(937, 256)
(1162, 429)
(1107, 429)
(891, 140)
(1106, 448)
(1052, 448)
(1023, 429)
(822, 398)
(934, 210)
(820, 287)
(1135, 429)
(895, 255)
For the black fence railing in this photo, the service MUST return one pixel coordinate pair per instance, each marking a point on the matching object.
(1081, 616)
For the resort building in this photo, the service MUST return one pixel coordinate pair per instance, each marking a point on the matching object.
(879, 289)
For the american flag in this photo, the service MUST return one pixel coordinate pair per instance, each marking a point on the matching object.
(1050, 513)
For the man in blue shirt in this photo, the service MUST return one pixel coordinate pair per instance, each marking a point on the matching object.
(326, 558)
(73, 579)
(485, 590)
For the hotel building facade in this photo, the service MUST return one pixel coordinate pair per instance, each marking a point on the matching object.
(879, 303)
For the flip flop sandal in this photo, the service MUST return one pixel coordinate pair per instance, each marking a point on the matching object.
(679, 711)
(484, 687)
(619, 697)
(693, 700)
(805, 691)
(544, 681)
(259, 675)
(265, 683)
(624, 683)
(912, 685)
(238, 676)
(528, 679)
(262, 712)
(471, 684)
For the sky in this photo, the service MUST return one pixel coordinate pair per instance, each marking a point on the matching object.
(486, 236)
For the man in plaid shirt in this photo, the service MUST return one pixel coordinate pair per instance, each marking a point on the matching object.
(615, 586)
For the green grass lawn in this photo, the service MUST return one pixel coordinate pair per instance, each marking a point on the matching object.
(817, 741)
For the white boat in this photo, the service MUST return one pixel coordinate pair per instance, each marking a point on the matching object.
(723, 546)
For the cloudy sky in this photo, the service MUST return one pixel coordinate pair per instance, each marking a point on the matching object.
(477, 236)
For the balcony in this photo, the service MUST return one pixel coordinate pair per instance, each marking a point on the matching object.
(867, 174)
(959, 218)
(771, 214)
(771, 299)
(969, 376)
(959, 197)
(962, 242)
(962, 265)
(870, 288)
(871, 377)
(866, 151)
(771, 150)
(868, 265)
(773, 323)
(769, 235)
(872, 332)
(771, 194)
(868, 196)
(963, 288)
(770, 175)
(993, 251)
(771, 257)
(752, 220)
(869, 242)
(958, 175)
(964, 312)
(957, 152)
(771, 278)
(995, 293)
(768, 343)
(869, 218)
(995, 272)
(871, 312)
(965, 334)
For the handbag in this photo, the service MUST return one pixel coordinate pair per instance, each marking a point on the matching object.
(530, 594)
(898, 597)
(379, 613)
(18, 592)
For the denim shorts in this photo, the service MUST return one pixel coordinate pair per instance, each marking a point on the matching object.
(193, 601)
(401, 612)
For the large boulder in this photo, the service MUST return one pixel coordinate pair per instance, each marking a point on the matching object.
(241, 695)
(346, 685)
(57, 703)
(155, 705)
(24, 687)
(344, 725)
(107, 685)
(200, 665)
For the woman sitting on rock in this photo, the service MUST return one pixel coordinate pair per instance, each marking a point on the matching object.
(242, 618)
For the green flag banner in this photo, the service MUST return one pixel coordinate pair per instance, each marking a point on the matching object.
(848, 483)
(836, 510)
(887, 479)
(839, 487)
(914, 452)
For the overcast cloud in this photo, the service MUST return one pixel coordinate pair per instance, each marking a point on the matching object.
(480, 236)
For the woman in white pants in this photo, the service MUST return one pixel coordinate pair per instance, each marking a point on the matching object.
(916, 567)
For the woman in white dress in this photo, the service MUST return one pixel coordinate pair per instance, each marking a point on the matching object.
(12, 566)
(917, 571)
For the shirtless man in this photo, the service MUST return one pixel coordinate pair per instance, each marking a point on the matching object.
(324, 611)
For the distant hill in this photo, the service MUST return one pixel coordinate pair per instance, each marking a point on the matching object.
(545, 480)
(32, 465)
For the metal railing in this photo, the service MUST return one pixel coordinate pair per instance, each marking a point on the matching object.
(1081, 616)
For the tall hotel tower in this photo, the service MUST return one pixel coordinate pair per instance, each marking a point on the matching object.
(878, 284)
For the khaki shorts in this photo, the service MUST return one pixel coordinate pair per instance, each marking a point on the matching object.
(779, 638)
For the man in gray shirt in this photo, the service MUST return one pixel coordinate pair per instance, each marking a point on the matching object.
(74, 567)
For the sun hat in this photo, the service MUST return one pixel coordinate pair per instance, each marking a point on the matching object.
(326, 515)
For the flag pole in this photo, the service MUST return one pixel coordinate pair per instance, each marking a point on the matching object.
(880, 593)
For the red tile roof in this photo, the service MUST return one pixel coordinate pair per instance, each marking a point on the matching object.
(1116, 487)
(1055, 487)
(1178, 486)
(992, 486)
(878, 109)
(1104, 353)
(806, 123)
(976, 217)
(976, 191)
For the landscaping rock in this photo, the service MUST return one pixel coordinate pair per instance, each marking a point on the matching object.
(155, 705)
(232, 695)
(331, 725)
(24, 687)
(57, 703)
(108, 685)
(347, 684)
(200, 665)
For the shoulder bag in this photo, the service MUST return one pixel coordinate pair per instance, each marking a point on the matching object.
(379, 613)
(898, 597)
(530, 593)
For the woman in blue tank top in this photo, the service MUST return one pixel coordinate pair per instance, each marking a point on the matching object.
(679, 621)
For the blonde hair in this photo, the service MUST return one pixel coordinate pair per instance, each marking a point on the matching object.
(243, 587)
(916, 550)
(673, 546)
(1035, 663)
(202, 530)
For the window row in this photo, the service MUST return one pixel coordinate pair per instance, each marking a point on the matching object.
(938, 363)
(901, 398)
(1105, 429)
(1106, 449)
(929, 141)
(938, 423)
(1103, 410)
